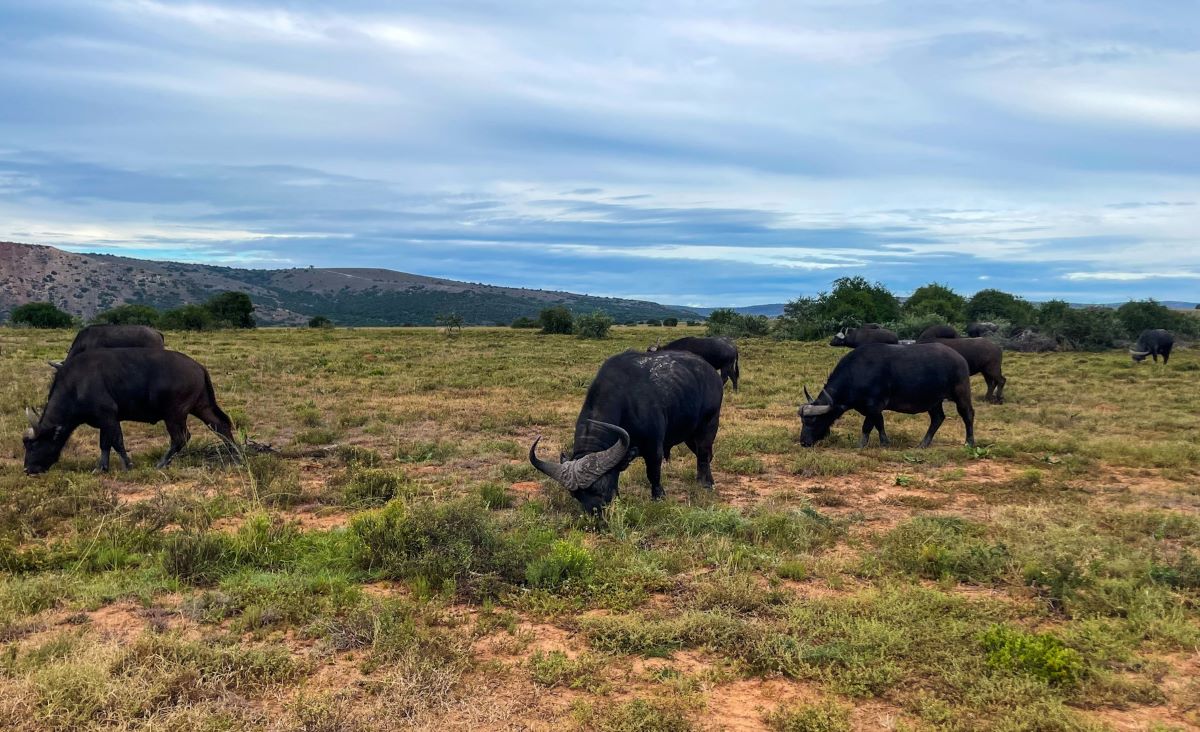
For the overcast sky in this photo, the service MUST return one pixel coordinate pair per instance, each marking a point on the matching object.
(694, 153)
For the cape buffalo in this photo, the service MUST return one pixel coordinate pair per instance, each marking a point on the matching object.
(933, 332)
(979, 330)
(639, 405)
(1154, 343)
(721, 354)
(983, 357)
(870, 333)
(115, 336)
(107, 386)
(878, 377)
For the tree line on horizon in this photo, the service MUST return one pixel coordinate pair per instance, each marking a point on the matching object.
(854, 301)
(225, 310)
(850, 302)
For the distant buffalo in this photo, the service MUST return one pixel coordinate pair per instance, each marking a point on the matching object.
(870, 333)
(639, 405)
(933, 332)
(1153, 343)
(721, 354)
(980, 330)
(114, 336)
(878, 377)
(106, 386)
(983, 357)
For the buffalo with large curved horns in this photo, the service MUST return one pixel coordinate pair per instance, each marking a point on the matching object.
(639, 405)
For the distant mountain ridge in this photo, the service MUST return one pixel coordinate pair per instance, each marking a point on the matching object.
(86, 284)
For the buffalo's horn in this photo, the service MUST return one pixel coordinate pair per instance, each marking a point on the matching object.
(30, 434)
(575, 475)
(56, 365)
(807, 396)
(554, 470)
(841, 334)
(1139, 353)
(814, 410)
(32, 416)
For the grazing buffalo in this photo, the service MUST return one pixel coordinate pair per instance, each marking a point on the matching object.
(878, 377)
(114, 336)
(1154, 343)
(870, 333)
(107, 386)
(934, 332)
(639, 405)
(721, 354)
(980, 330)
(983, 357)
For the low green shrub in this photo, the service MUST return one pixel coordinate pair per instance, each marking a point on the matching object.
(1039, 655)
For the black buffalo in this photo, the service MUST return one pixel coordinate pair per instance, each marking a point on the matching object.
(107, 386)
(870, 333)
(879, 377)
(1154, 343)
(115, 336)
(985, 357)
(979, 330)
(639, 405)
(721, 354)
(933, 332)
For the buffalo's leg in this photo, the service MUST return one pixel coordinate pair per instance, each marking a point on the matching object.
(883, 438)
(966, 410)
(118, 444)
(1166, 355)
(106, 443)
(937, 415)
(702, 445)
(1000, 382)
(654, 462)
(868, 425)
(177, 429)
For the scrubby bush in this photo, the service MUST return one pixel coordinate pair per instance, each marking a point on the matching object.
(556, 321)
(40, 315)
(594, 326)
(567, 560)
(1039, 655)
(438, 543)
(524, 322)
(821, 717)
(1139, 315)
(670, 322)
(320, 321)
(129, 315)
(732, 324)
(1085, 329)
(912, 325)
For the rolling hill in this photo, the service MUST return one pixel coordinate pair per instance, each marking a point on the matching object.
(85, 284)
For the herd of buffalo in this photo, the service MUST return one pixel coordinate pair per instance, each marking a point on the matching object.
(641, 404)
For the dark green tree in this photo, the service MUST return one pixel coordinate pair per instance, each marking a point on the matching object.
(732, 324)
(40, 315)
(854, 301)
(557, 321)
(996, 305)
(232, 310)
(188, 317)
(594, 326)
(936, 299)
(670, 322)
(129, 315)
(1139, 315)
(524, 322)
(319, 321)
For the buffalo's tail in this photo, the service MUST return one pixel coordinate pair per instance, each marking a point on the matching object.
(220, 422)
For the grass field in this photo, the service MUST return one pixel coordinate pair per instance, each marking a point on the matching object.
(399, 565)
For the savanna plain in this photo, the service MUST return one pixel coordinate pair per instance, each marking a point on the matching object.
(396, 563)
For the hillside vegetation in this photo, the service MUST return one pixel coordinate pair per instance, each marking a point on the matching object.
(86, 284)
(400, 566)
